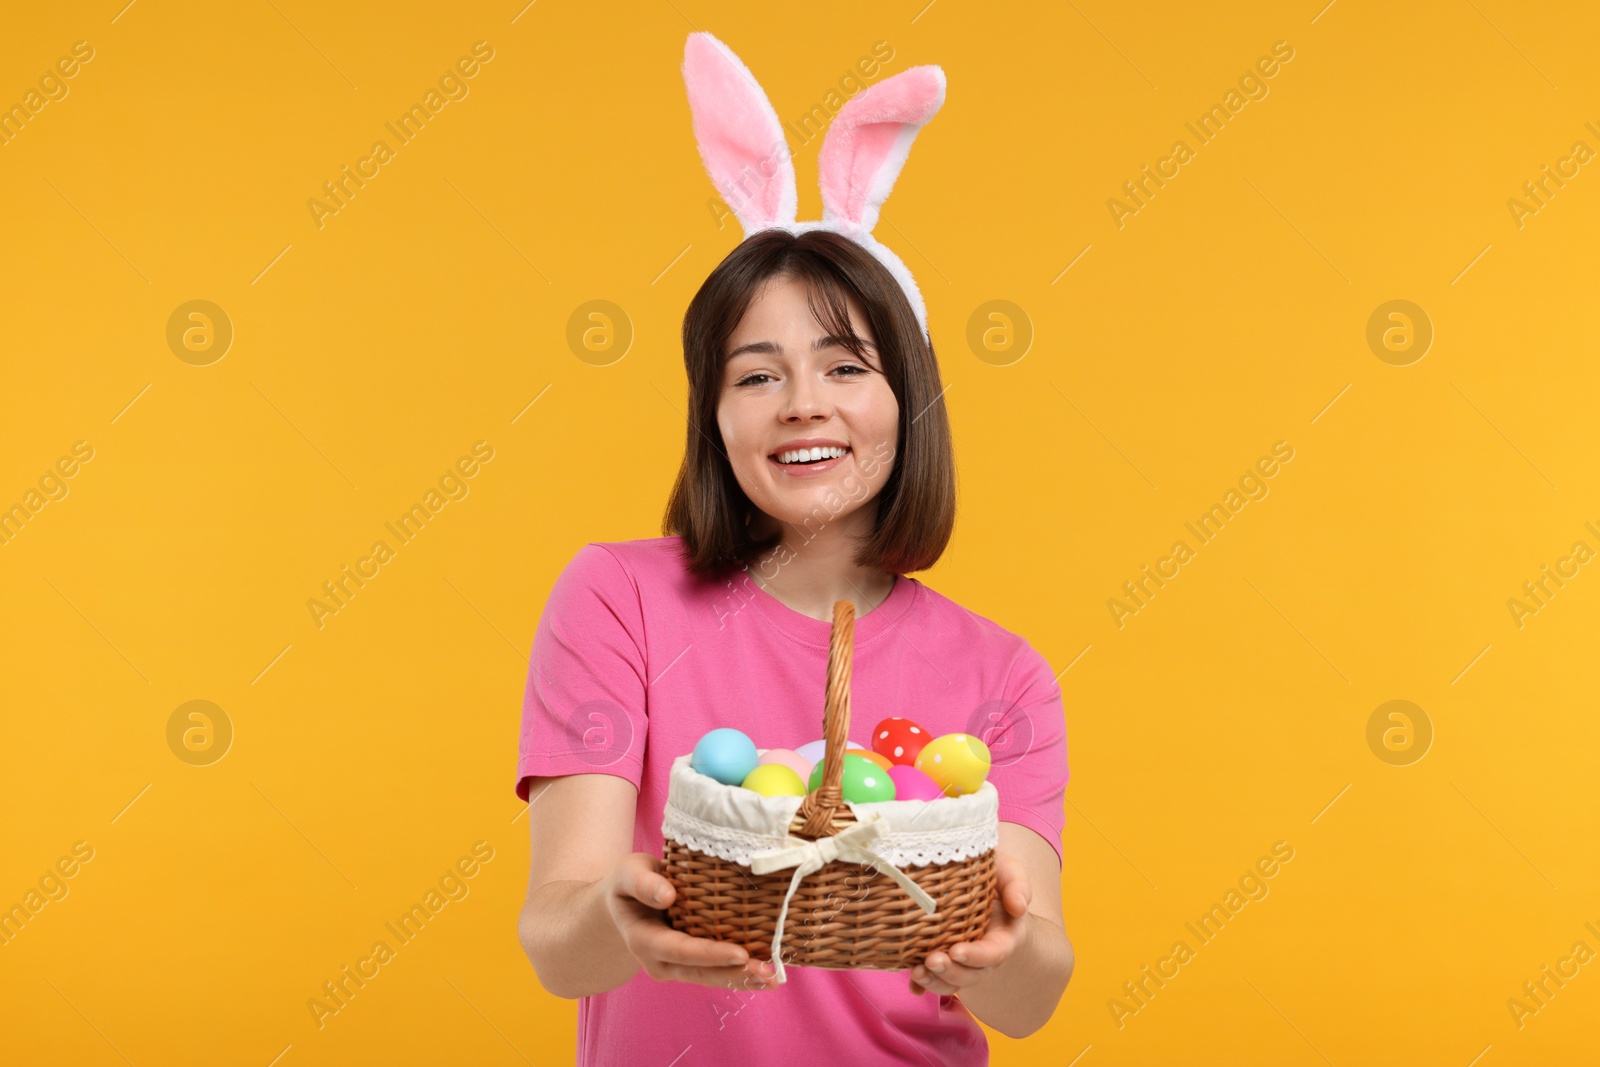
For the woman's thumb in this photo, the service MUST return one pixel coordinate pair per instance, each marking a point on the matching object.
(646, 884)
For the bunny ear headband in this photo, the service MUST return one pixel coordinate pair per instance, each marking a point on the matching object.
(742, 144)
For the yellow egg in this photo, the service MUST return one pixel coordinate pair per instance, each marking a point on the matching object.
(957, 763)
(775, 780)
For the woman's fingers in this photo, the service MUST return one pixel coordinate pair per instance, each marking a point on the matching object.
(642, 880)
(648, 938)
(1011, 877)
(951, 977)
(748, 977)
(654, 941)
(924, 980)
(669, 954)
(988, 951)
(672, 955)
(639, 894)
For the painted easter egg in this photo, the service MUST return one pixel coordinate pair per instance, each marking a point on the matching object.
(812, 751)
(726, 754)
(900, 740)
(958, 763)
(786, 757)
(775, 780)
(912, 784)
(862, 780)
(876, 757)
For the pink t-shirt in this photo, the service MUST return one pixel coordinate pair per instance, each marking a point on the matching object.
(635, 658)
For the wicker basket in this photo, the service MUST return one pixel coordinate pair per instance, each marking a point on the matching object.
(874, 886)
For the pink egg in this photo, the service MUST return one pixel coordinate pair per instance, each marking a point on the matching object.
(912, 784)
(789, 758)
(813, 751)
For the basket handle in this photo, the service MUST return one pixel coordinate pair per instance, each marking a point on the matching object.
(817, 810)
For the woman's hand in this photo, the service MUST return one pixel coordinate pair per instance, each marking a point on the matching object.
(636, 895)
(967, 963)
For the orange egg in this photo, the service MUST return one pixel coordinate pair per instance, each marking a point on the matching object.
(876, 757)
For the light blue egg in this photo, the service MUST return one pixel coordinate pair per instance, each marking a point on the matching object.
(726, 754)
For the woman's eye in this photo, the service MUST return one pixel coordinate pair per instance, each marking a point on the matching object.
(757, 377)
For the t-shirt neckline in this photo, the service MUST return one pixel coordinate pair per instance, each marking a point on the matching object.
(818, 632)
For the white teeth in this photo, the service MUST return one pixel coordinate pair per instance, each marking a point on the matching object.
(807, 455)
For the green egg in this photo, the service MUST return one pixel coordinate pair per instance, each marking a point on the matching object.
(862, 781)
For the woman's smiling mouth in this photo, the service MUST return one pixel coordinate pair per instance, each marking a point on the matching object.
(809, 456)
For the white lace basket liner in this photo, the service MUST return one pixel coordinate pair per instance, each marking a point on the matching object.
(733, 823)
(878, 885)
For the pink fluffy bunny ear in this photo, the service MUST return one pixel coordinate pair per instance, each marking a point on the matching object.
(868, 142)
(741, 141)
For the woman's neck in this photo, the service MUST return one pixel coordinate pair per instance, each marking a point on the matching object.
(811, 569)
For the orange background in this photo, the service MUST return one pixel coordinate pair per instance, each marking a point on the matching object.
(371, 753)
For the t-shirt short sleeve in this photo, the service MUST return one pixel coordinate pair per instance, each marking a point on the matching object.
(1027, 738)
(584, 710)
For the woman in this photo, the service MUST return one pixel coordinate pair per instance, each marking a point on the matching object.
(818, 467)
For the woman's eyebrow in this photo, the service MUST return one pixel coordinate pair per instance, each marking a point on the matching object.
(773, 348)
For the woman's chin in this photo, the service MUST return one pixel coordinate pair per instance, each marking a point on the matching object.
(810, 511)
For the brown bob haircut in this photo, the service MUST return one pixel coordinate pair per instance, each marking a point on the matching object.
(916, 506)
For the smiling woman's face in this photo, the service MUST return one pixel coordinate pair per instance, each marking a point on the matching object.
(787, 384)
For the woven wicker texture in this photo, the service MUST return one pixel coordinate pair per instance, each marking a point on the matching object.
(845, 915)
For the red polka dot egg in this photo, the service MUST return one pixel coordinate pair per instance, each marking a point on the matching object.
(899, 740)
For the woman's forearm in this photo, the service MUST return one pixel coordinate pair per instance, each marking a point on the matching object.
(572, 941)
(1022, 993)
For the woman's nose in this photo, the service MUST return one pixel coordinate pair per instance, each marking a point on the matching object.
(804, 399)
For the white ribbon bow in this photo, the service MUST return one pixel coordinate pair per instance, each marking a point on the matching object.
(809, 856)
